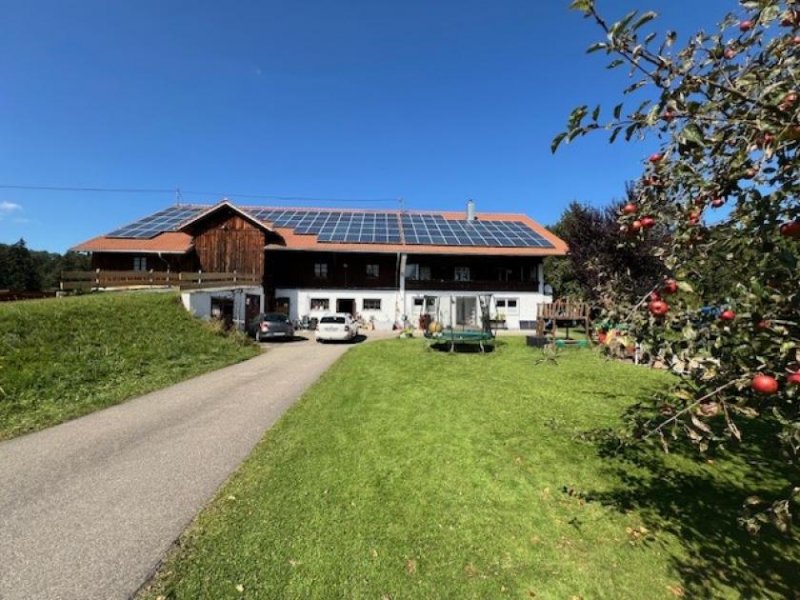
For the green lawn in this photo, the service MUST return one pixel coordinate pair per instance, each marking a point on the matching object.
(63, 358)
(408, 473)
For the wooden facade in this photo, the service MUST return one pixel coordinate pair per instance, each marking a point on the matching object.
(128, 261)
(336, 270)
(226, 242)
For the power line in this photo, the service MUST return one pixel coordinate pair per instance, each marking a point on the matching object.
(179, 193)
(49, 188)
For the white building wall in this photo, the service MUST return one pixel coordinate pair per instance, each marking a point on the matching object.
(394, 306)
(306, 302)
(198, 302)
(525, 309)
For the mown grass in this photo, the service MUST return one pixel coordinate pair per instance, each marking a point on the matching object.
(409, 473)
(63, 358)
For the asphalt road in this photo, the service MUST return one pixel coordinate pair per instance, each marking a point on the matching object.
(89, 508)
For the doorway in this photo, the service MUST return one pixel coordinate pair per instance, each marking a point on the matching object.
(346, 305)
(282, 306)
(466, 311)
(222, 309)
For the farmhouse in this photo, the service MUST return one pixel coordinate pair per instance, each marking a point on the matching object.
(379, 264)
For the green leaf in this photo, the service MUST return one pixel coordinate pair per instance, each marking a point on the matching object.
(584, 6)
(693, 134)
(685, 286)
(645, 18)
(596, 47)
(557, 142)
(617, 110)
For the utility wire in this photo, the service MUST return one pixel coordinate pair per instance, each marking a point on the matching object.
(179, 193)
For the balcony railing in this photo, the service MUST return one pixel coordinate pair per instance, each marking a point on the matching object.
(102, 279)
(483, 285)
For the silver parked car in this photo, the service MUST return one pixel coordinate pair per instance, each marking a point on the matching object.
(271, 326)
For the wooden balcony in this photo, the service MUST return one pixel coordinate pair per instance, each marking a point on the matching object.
(445, 285)
(104, 279)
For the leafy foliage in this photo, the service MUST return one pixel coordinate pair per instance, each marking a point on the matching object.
(25, 270)
(596, 259)
(726, 113)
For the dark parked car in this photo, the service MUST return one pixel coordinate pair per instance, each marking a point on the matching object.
(271, 326)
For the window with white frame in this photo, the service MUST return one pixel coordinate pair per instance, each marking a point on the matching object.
(371, 304)
(140, 263)
(461, 274)
(321, 270)
(507, 306)
(373, 271)
(320, 304)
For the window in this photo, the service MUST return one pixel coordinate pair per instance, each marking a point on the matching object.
(373, 270)
(372, 304)
(418, 301)
(508, 306)
(418, 272)
(140, 263)
(461, 274)
(320, 304)
(321, 270)
(503, 274)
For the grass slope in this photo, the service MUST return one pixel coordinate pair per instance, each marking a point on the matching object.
(63, 358)
(407, 473)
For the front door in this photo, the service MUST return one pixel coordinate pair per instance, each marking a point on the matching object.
(346, 305)
(466, 311)
(282, 306)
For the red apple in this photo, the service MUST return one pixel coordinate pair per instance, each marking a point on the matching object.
(717, 202)
(670, 286)
(727, 315)
(636, 225)
(654, 158)
(750, 173)
(796, 40)
(790, 98)
(791, 230)
(764, 384)
(658, 308)
(668, 115)
(655, 296)
(763, 325)
(648, 222)
(729, 53)
(793, 378)
(629, 208)
(745, 25)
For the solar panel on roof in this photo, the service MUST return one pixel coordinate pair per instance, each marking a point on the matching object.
(148, 227)
(336, 226)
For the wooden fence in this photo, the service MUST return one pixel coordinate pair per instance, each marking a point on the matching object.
(103, 279)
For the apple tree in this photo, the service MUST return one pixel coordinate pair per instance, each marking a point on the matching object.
(722, 110)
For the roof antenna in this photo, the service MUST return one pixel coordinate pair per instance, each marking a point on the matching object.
(402, 202)
(178, 196)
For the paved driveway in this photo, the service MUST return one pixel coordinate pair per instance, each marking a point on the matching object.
(88, 508)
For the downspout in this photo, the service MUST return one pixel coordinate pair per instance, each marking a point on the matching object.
(403, 259)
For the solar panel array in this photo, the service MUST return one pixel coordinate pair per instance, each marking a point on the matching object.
(168, 219)
(334, 226)
(438, 231)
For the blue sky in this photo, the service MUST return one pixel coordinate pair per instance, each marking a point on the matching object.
(435, 102)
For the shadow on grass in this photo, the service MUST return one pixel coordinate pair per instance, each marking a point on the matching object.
(699, 500)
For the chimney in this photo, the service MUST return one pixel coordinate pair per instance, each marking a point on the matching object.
(471, 210)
